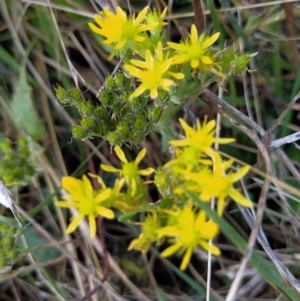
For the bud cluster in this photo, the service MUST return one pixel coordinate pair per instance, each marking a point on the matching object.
(116, 118)
(16, 165)
(8, 241)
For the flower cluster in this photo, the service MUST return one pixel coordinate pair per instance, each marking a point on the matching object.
(9, 236)
(16, 164)
(92, 203)
(155, 75)
(196, 168)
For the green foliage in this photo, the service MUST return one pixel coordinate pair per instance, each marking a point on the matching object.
(16, 165)
(35, 242)
(23, 108)
(8, 240)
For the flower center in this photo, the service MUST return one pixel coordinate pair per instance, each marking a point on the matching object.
(195, 51)
(87, 206)
(130, 171)
(190, 238)
(129, 31)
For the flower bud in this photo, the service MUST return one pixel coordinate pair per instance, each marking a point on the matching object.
(86, 108)
(100, 113)
(137, 137)
(239, 64)
(76, 95)
(88, 123)
(122, 81)
(140, 123)
(23, 147)
(78, 132)
(117, 109)
(110, 84)
(61, 95)
(11, 256)
(123, 129)
(6, 148)
(113, 138)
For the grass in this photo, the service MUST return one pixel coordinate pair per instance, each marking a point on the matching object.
(42, 47)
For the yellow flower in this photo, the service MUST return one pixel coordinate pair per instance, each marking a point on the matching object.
(154, 72)
(87, 201)
(189, 230)
(200, 137)
(194, 49)
(149, 234)
(130, 172)
(219, 184)
(154, 18)
(119, 30)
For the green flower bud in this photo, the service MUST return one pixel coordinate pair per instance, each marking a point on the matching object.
(123, 129)
(113, 138)
(110, 83)
(226, 59)
(100, 113)
(112, 124)
(86, 108)
(23, 147)
(7, 241)
(88, 123)
(78, 132)
(137, 137)
(3, 229)
(239, 64)
(140, 123)
(5, 145)
(154, 114)
(12, 256)
(105, 98)
(8, 178)
(61, 95)
(126, 54)
(117, 109)
(136, 103)
(76, 95)
(125, 97)
(6, 148)
(122, 81)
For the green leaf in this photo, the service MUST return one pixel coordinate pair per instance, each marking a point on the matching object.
(24, 110)
(41, 254)
(265, 269)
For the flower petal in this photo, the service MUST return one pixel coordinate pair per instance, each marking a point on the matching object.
(66, 204)
(102, 196)
(140, 156)
(210, 247)
(105, 212)
(75, 223)
(146, 172)
(171, 250)
(239, 198)
(92, 224)
(120, 154)
(72, 185)
(186, 259)
(109, 168)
